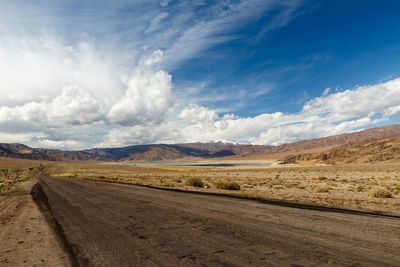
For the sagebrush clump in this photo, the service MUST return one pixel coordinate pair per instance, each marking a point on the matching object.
(227, 185)
(196, 182)
(380, 192)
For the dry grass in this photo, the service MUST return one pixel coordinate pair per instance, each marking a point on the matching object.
(227, 185)
(13, 171)
(196, 182)
(4, 186)
(346, 186)
(380, 192)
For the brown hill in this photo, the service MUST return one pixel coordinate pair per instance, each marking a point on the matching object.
(360, 137)
(24, 152)
(378, 151)
(199, 150)
(156, 153)
(131, 153)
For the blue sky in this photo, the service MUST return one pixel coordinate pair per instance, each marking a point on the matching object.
(79, 74)
(336, 44)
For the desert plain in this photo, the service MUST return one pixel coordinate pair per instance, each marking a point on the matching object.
(87, 214)
(365, 187)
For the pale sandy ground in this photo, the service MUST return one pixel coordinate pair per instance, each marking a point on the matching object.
(25, 237)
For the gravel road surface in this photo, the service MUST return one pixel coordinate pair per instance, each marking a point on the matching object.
(105, 224)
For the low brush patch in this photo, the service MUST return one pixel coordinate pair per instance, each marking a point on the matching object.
(4, 187)
(196, 182)
(168, 185)
(380, 192)
(227, 185)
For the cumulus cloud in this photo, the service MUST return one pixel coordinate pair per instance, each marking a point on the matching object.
(197, 114)
(329, 114)
(48, 86)
(356, 103)
(148, 96)
(37, 69)
(75, 85)
(72, 106)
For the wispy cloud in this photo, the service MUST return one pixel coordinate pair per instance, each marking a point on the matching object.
(219, 23)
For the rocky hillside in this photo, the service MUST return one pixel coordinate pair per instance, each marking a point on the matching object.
(324, 143)
(131, 153)
(372, 152)
(200, 150)
(24, 152)
(360, 137)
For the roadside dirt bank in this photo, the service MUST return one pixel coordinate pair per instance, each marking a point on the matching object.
(26, 238)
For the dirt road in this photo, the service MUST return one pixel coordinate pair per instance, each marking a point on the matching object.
(122, 225)
(26, 239)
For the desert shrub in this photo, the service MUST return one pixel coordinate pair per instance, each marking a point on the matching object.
(359, 188)
(322, 189)
(196, 182)
(291, 184)
(168, 185)
(4, 187)
(277, 182)
(379, 192)
(227, 185)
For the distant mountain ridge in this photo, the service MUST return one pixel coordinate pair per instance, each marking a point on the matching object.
(377, 151)
(131, 153)
(359, 137)
(158, 152)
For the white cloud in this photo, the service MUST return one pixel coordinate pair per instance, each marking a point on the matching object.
(155, 23)
(327, 115)
(86, 89)
(37, 69)
(47, 86)
(164, 3)
(64, 144)
(109, 83)
(217, 24)
(148, 96)
(73, 96)
(361, 102)
(73, 106)
(195, 114)
(326, 91)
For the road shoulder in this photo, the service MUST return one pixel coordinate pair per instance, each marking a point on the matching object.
(26, 239)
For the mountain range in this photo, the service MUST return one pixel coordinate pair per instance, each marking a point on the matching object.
(387, 150)
(367, 144)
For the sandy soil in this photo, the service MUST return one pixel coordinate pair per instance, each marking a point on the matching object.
(108, 224)
(25, 237)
